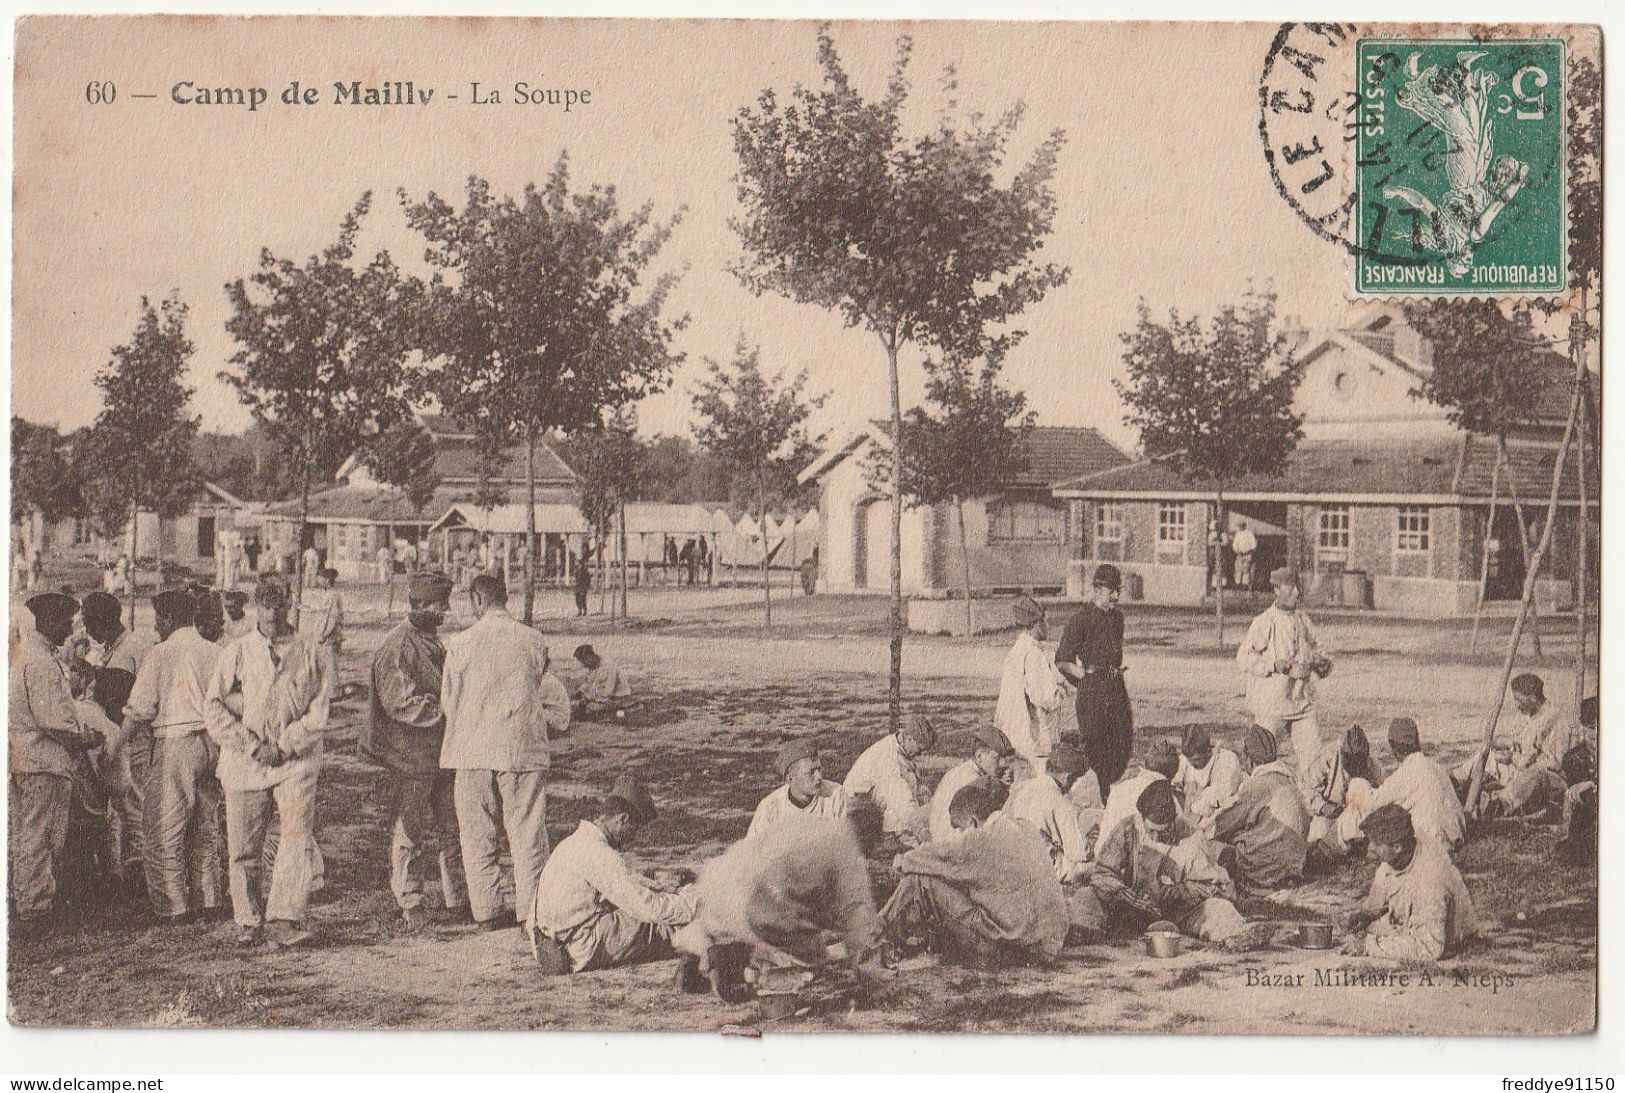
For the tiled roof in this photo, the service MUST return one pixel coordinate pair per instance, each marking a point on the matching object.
(457, 458)
(1057, 453)
(1316, 467)
(1423, 467)
(1528, 471)
(381, 504)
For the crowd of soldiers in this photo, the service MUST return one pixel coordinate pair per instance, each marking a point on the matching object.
(189, 747)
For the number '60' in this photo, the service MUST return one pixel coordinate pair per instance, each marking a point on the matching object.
(100, 92)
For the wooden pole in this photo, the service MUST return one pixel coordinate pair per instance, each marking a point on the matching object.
(1530, 575)
(1484, 565)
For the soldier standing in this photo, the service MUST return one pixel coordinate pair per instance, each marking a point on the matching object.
(1091, 656)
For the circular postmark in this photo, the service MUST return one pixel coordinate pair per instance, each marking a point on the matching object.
(1308, 111)
(1433, 155)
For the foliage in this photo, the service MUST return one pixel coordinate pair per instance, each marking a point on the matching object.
(1213, 397)
(138, 452)
(1489, 369)
(403, 456)
(757, 426)
(43, 479)
(534, 312)
(912, 239)
(322, 349)
(968, 413)
(541, 328)
(610, 464)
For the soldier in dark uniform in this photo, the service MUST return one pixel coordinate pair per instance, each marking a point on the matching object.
(1091, 656)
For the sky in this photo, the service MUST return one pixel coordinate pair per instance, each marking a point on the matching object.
(1162, 188)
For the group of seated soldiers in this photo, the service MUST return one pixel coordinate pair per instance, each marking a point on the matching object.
(1005, 864)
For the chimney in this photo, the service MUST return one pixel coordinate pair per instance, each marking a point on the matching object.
(1293, 334)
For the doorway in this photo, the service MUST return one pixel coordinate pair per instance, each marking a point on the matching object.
(1507, 565)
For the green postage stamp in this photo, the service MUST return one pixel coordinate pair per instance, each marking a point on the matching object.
(1460, 179)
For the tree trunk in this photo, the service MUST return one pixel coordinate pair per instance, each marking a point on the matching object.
(621, 512)
(158, 551)
(299, 542)
(894, 688)
(603, 569)
(530, 523)
(1484, 566)
(767, 585)
(964, 567)
(134, 514)
(1532, 571)
(795, 574)
(1523, 538)
(389, 570)
(1218, 565)
(1582, 640)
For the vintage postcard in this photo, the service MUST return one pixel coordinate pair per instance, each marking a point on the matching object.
(594, 524)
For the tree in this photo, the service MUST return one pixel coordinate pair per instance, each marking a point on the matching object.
(322, 348)
(1213, 397)
(1585, 274)
(1488, 375)
(914, 240)
(969, 414)
(534, 312)
(610, 465)
(758, 426)
(137, 455)
(43, 479)
(403, 456)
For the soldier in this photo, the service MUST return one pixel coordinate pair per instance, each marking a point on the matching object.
(404, 736)
(1281, 660)
(1091, 656)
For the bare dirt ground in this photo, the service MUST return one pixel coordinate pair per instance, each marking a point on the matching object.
(722, 694)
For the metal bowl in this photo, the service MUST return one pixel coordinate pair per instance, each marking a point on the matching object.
(1315, 935)
(1164, 945)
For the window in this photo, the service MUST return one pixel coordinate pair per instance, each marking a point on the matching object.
(1025, 521)
(1170, 523)
(1109, 522)
(1332, 534)
(1415, 529)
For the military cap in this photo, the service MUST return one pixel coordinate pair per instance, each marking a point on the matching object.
(1162, 757)
(52, 605)
(176, 603)
(428, 586)
(100, 605)
(803, 747)
(1403, 735)
(272, 591)
(1528, 683)
(1284, 575)
(1108, 576)
(1067, 759)
(1354, 741)
(988, 736)
(1026, 611)
(1196, 741)
(919, 727)
(584, 651)
(1389, 824)
(630, 792)
(1156, 803)
(1260, 746)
